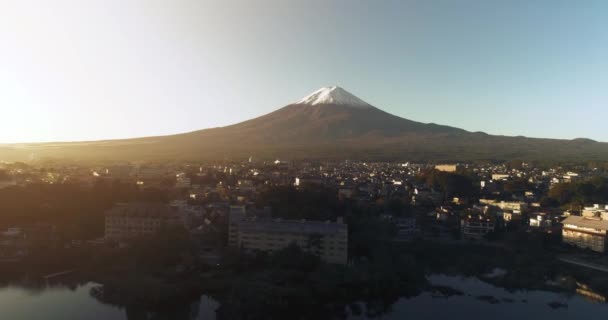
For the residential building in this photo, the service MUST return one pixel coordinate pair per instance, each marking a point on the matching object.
(13, 244)
(500, 176)
(476, 227)
(447, 167)
(516, 206)
(182, 181)
(329, 240)
(128, 220)
(585, 232)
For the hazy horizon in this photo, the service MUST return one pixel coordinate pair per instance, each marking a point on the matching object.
(103, 70)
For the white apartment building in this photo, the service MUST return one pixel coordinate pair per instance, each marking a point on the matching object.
(585, 232)
(329, 240)
(129, 220)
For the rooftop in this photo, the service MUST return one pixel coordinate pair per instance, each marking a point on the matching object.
(584, 222)
(291, 226)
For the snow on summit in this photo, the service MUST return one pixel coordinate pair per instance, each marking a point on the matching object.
(333, 95)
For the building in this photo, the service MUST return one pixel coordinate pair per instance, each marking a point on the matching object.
(423, 194)
(182, 181)
(545, 222)
(7, 183)
(188, 214)
(443, 214)
(500, 176)
(128, 220)
(407, 229)
(329, 240)
(447, 167)
(518, 207)
(13, 244)
(596, 211)
(476, 227)
(150, 176)
(585, 232)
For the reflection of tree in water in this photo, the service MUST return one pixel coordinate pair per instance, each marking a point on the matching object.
(141, 307)
(36, 286)
(256, 300)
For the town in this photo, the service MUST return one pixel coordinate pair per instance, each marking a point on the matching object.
(444, 201)
(210, 220)
(334, 211)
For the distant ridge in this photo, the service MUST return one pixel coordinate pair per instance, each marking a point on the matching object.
(329, 123)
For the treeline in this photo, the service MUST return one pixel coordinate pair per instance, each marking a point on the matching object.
(313, 203)
(292, 284)
(450, 184)
(76, 211)
(594, 190)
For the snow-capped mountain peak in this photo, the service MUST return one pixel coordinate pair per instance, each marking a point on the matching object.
(333, 95)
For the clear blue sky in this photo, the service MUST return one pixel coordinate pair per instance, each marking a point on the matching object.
(82, 70)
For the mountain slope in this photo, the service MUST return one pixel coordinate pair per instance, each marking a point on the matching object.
(329, 123)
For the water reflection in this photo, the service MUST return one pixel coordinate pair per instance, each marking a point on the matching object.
(465, 297)
(447, 297)
(138, 309)
(71, 298)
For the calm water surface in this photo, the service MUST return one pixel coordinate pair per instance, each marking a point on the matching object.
(60, 302)
(475, 303)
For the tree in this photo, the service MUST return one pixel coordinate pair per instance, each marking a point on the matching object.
(517, 185)
(451, 184)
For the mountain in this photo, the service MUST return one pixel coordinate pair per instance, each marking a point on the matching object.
(329, 123)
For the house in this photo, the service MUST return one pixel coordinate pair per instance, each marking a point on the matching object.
(13, 244)
(500, 176)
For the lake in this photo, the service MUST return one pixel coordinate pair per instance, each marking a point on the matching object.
(60, 302)
(480, 299)
(473, 298)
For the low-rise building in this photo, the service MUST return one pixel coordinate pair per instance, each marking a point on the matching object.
(329, 240)
(407, 229)
(128, 220)
(447, 167)
(476, 227)
(518, 207)
(597, 210)
(585, 232)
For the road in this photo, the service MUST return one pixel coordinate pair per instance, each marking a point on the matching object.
(589, 265)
